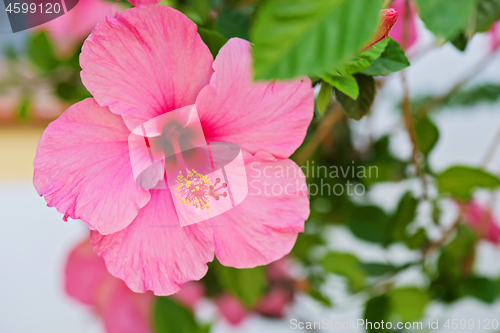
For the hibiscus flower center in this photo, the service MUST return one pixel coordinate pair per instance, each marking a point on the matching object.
(170, 152)
(196, 189)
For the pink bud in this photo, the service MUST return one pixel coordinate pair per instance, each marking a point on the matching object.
(274, 303)
(231, 308)
(406, 21)
(389, 18)
(494, 34)
(482, 221)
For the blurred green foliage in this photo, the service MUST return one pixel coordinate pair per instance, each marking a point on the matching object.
(304, 37)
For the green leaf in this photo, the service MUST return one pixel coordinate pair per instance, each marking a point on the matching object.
(457, 250)
(417, 240)
(348, 266)
(378, 269)
(392, 60)
(214, 40)
(409, 303)
(387, 166)
(362, 60)
(324, 97)
(10, 52)
(445, 18)
(320, 297)
(72, 90)
(377, 309)
(246, 284)
(196, 10)
(346, 84)
(480, 94)
(447, 285)
(24, 108)
(358, 108)
(483, 289)
(41, 51)
(436, 212)
(233, 23)
(488, 11)
(427, 135)
(461, 181)
(461, 41)
(369, 223)
(304, 245)
(303, 37)
(171, 317)
(404, 215)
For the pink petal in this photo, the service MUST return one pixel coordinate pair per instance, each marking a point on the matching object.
(155, 252)
(144, 62)
(128, 312)
(397, 32)
(136, 3)
(494, 34)
(274, 303)
(268, 116)
(264, 227)
(88, 281)
(70, 29)
(231, 308)
(82, 167)
(84, 272)
(483, 222)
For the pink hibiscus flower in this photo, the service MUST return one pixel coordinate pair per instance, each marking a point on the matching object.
(70, 29)
(231, 308)
(88, 281)
(406, 20)
(481, 220)
(494, 35)
(139, 65)
(273, 304)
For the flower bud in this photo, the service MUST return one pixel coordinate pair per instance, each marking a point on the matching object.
(389, 18)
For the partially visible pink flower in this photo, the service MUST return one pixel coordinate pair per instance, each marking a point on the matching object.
(483, 222)
(405, 20)
(136, 3)
(275, 302)
(282, 287)
(138, 65)
(88, 281)
(70, 30)
(231, 308)
(388, 19)
(190, 294)
(280, 270)
(494, 34)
